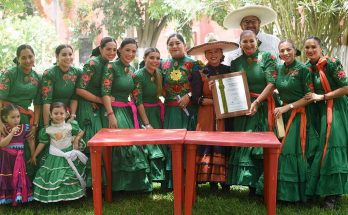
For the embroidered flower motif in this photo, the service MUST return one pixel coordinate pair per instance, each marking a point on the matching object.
(107, 82)
(200, 63)
(45, 90)
(187, 86)
(293, 72)
(135, 92)
(175, 75)
(109, 65)
(274, 74)
(133, 75)
(85, 77)
(3, 87)
(341, 74)
(176, 88)
(333, 60)
(273, 57)
(166, 65)
(73, 78)
(188, 65)
(91, 63)
(258, 59)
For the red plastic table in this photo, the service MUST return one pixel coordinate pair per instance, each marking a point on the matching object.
(106, 138)
(267, 140)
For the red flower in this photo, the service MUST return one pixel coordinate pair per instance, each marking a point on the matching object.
(341, 74)
(133, 75)
(45, 90)
(109, 65)
(2, 86)
(91, 63)
(176, 88)
(73, 78)
(85, 77)
(135, 93)
(333, 59)
(107, 82)
(188, 65)
(273, 57)
(274, 74)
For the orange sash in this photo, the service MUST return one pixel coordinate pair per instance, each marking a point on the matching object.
(303, 127)
(329, 103)
(270, 108)
(24, 111)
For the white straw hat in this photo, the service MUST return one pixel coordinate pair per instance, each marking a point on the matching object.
(264, 13)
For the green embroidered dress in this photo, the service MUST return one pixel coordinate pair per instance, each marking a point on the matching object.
(130, 167)
(146, 94)
(329, 175)
(177, 80)
(89, 116)
(21, 89)
(246, 163)
(293, 82)
(55, 180)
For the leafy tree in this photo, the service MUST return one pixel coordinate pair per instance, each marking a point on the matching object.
(16, 31)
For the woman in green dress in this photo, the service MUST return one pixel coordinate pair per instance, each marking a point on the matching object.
(130, 167)
(148, 82)
(88, 89)
(180, 101)
(59, 83)
(329, 171)
(20, 85)
(301, 140)
(246, 163)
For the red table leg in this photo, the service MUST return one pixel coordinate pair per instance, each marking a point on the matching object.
(190, 178)
(270, 174)
(178, 173)
(108, 173)
(96, 179)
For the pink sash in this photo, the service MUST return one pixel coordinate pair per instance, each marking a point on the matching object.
(132, 106)
(19, 168)
(160, 104)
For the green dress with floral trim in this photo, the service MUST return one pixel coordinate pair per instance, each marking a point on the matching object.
(293, 82)
(59, 86)
(89, 116)
(177, 80)
(246, 163)
(130, 167)
(55, 180)
(23, 90)
(146, 92)
(330, 176)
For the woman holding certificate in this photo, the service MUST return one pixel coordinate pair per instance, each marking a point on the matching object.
(301, 140)
(246, 164)
(329, 171)
(180, 101)
(211, 160)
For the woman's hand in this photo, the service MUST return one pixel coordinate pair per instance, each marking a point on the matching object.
(312, 97)
(280, 110)
(112, 121)
(184, 101)
(253, 108)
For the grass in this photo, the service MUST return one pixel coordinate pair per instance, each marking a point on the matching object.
(236, 202)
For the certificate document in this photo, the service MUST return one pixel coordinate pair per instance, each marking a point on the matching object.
(231, 95)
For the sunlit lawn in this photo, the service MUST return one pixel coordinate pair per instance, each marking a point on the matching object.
(236, 202)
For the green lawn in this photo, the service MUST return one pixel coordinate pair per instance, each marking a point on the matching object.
(235, 203)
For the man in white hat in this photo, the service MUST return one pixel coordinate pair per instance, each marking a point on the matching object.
(252, 17)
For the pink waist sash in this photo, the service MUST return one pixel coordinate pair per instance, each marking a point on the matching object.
(161, 106)
(19, 169)
(132, 106)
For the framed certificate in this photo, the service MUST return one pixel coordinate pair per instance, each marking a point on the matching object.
(231, 95)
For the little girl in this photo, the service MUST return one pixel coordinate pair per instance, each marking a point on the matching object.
(15, 185)
(61, 177)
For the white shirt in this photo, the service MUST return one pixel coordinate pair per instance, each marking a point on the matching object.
(269, 43)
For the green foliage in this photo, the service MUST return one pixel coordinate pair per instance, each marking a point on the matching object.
(34, 31)
(19, 8)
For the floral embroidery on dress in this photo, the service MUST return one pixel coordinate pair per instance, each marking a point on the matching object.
(341, 74)
(175, 75)
(311, 86)
(176, 88)
(91, 63)
(188, 65)
(166, 65)
(293, 72)
(45, 90)
(3, 86)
